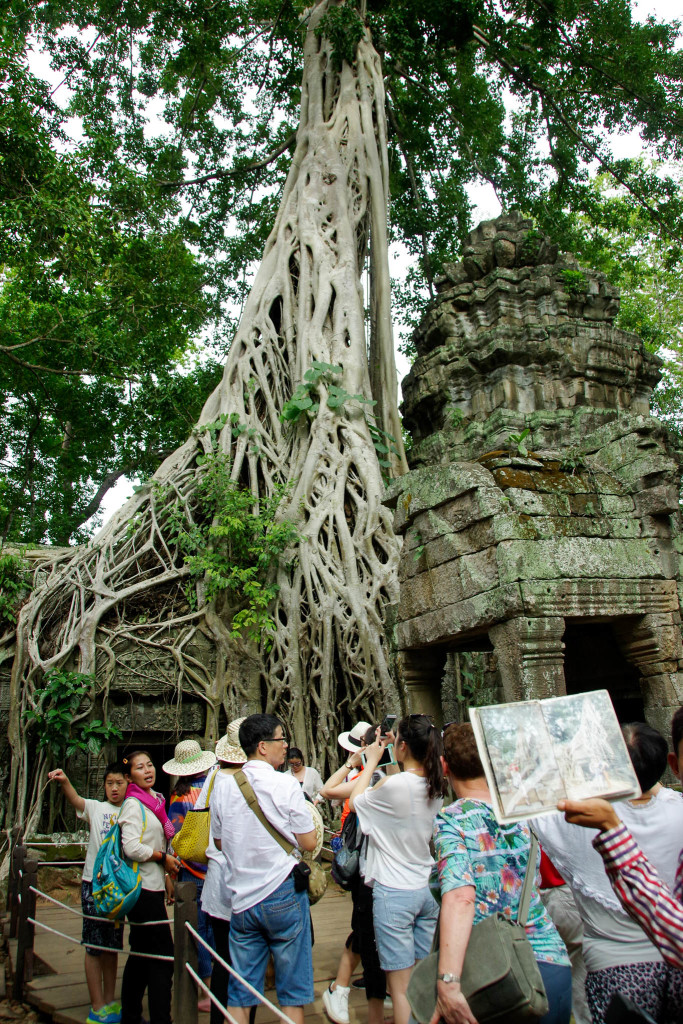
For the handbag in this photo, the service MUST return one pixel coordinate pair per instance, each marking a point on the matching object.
(194, 835)
(346, 863)
(316, 876)
(116, 884)
(501, 980)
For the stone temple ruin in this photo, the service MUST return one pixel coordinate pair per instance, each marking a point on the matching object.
(558, 551)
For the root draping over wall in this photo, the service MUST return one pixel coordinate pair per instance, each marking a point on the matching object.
(130, 583)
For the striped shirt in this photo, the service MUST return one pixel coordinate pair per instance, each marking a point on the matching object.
(642, 893)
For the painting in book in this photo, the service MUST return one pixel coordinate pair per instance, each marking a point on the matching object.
(536, 753)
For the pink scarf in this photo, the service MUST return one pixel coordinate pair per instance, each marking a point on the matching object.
(155, 804)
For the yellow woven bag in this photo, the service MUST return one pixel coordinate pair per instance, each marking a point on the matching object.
(195, 832)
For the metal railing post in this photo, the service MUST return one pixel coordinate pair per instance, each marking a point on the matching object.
(25, 928)
(184, 991)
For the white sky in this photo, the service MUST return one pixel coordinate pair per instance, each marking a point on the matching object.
(486, 206)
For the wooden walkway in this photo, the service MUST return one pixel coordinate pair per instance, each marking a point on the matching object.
(62, 993)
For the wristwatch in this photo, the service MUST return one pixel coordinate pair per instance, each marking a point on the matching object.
(448, 977)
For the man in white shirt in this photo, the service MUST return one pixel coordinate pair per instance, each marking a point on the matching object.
(268, 914)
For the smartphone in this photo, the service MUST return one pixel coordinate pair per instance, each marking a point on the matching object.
(387, 725)
(387, 756)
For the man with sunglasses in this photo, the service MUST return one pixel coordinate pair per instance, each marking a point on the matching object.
(269, 915)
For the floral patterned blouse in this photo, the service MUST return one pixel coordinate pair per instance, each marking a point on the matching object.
(473, 849)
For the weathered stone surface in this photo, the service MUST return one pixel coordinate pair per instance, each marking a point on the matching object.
(541, 490)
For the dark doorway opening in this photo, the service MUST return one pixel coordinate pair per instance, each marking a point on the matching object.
(594, 661)
(159, 752)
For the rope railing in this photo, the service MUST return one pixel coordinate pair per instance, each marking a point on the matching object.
(205, 988)
(105, 949)
(93, 917)
(231, 970)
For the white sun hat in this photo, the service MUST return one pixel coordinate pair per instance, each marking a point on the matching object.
(228, 747)
(189, 759)
(351, 740)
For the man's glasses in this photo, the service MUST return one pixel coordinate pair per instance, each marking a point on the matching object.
(275, 739)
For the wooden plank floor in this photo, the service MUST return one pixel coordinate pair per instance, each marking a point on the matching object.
(63, 993)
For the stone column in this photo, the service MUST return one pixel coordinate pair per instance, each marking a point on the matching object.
(530, 656)
(654, 646)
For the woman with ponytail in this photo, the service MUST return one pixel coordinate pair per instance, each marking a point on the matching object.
(397, 815)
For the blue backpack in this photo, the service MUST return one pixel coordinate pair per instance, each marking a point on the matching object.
(116, 883)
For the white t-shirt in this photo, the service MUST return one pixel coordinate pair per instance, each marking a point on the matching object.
(140, 839)
(255, 863)
(312, 783)
(216, 896)
(398, 819)
(100, 815)
(610, 937)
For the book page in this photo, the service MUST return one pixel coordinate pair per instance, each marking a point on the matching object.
(516, 750)
(589, 746)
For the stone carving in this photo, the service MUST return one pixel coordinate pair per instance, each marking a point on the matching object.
(508, 538)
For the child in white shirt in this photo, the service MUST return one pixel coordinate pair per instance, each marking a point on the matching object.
(100, 967)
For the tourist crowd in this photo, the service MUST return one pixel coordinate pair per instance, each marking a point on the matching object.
(604, 918)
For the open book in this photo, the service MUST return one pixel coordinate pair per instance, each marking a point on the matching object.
(537, 752)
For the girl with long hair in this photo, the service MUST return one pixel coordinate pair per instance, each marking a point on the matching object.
(397, 815)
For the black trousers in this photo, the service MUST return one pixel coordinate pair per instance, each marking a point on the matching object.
(219, 975)
(140, 973)
(364, 940)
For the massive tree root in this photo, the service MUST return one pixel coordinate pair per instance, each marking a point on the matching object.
(126, 590)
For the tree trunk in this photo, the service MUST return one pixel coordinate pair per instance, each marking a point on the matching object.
(329, 655)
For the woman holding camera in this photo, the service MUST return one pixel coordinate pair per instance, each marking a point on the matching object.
(397, 815)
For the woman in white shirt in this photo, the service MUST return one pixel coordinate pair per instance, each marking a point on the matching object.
(307, 777)
(397, 815)
(145, 832)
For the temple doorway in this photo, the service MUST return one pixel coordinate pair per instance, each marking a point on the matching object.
(593, 660)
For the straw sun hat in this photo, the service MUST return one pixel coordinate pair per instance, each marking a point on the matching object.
(228, 747)
(189, 759)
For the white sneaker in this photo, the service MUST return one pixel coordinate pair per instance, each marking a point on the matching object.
(336, 1003)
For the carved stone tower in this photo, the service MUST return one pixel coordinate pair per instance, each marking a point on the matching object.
(541, 515)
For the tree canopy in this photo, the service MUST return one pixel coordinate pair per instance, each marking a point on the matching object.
(138, 187)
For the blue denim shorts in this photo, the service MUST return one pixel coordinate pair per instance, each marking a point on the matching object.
(405, 920)
(280, 924)
(98, 933)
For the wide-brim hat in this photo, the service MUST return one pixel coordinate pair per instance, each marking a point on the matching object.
(319, 827)
(189, 759)
(352, 739)
(228, 747)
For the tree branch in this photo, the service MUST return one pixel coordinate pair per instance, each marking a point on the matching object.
(255, 165)
(393, 121)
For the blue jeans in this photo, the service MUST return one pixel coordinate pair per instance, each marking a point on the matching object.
(405, 920)
(280, 924)
(558, 988)
(204, 958)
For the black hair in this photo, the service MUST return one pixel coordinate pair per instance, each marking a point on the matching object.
(129, 757)
(114, 768)
(370, 735)
(424, 743)
(256, 728)
(294, 753)
(648, 751)
(677, 729)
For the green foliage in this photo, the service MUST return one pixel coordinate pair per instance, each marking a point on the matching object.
(306, 401)
(516, 441)
(344, 27)
(574, 281)
(13, 583)
(620, 239)
(233, 548)
(138, 186)
(52, 717)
